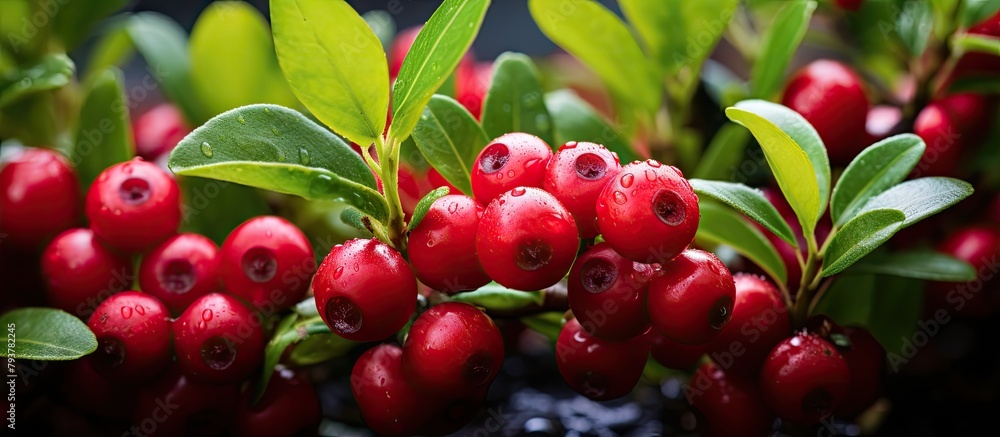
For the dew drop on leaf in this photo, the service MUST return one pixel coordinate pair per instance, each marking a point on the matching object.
(241, 120)
(206, 150)
(304, 156)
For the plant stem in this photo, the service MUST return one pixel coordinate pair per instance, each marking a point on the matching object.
(389, 173)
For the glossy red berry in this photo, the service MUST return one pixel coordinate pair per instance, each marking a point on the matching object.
(829, 96)
(435, 179)
(133, 337)
(866, 359)
(180, 270)
(607, 293)
(365, 291)
(288, 407)
(760, 321)
(134, 205)
(512, 160)
(389, 405)
(453, 349)
(442, 248)
(648, 213)
(39, 197)
(672, 354)
(599, 369)
(971, 112)
(80, 272)
(804, 379)
(218, 339)
(176, 404)
(851, 5)
(727, 405)
(883, 121)
(940, 131)
(472, 82)
(526, 239)
(576, 175)
(979, 246)
(267, 262)
(691, 301)
(158, 130)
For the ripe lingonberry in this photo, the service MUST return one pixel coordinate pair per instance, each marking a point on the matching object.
(365, 291)
(288, 407)
(883, 121)
(979, 246)
(760, 321)
(180, 270)
(218, 339)
(866, 359)
(176, 404)
(727, 405)
(576, 175)
(158, 130)
(39, 197)
(452, 349)
(691, 301)
(442, 248)
(599, 369)
(649, 213)
(607, 293)
(80, 272)
(389, 405)
(971, 112)
(829, 96)
(804, 379)
(437, 181)
(267, 262)
(472, 81)
(133, 337)
(851, 5)
(940, 131)
(512, 160)
(134, 205)
(526, 239)
(672, 354)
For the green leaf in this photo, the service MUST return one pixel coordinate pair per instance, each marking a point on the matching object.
(924, 264)
(976, 83)
(515, 101)
(749, 201)
(424, 205)
(278, 149)
(214, 208)
(778, 45)
(601, 41)
(112, 49)
(73, 19)
(435, 53)
(334, 64)
(848, 301)
(450, 138)
(51, 72)
(354, 218)
(859, 237)
(47, 334)
(920, 198)
(724, 154)
(289, 332)
(977, 44)
(976, 11)
(319, 348)
(104, 131)
(876, 169)
(668, 28)
(496, 297)
(163, 44)
(548, 324)
(887, 306)
(576, 120)
(914, 24)
(722, 225)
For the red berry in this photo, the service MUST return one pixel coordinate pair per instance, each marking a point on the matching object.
(134, 205)
(883, 121)
(829, 96)
(179, 405)
(218, 339)
(453, 349)
(365, 291)
(971, 112)
(599, 369)
(672, 354)
(866, 359)
(989, 26)
(979, 246)
(691, 301)
(940, 131)
(526, 239)
(389, 405)
(158, 130)
(851, 5)
(760, 321)
(80, 272)
(267, 262)
(512, 160)
(180, 270)
(576, 175)
(448, 232)
(472, 82)
(804, 379)
(649, 213)
(133, 337)
(39, 197)
(288, 407)
(727, 405)
(607, 293)
(995, 210)
(438, 181)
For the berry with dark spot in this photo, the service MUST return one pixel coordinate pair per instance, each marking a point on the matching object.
(607, 293)
(512, 160)
(576, 175)
(180, 270)
(218, 339)
(804, 379)
(267, 261)
(760, 320)
(133, 337)
(134, 205)
(691, 301)
(599, 369)
(442, 248)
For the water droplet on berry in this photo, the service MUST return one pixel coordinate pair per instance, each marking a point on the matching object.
(357, 268)
(134, 191)
(590, 166)
(431, 242)
(619, 197)
(518, 191)
(494, 158)
(627, 180)
(110, 353)
(338, 272)
(201, 325)
(177, 276)
(510, 173)
(259, 264)
(533, 255)
(650, 175)
(669, 207)
(217, 353)
(343, 315)
(499, 176)
(207, 315)
(304, 156)
(241, 120)
(206, 150)
(653, 163)
(126, 312)
(140, 309)
(597, 275)
(118, 212)
(570, 145)
(453, 208)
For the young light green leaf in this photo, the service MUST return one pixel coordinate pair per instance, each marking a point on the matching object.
(722, 225)
(859, 237)
(598, 38)
(163, 44)
(104, 131)
(112, 49)
(334, 64)
(450, 138)
(319, 348)
(576, 120)
(51, 72)
(977, 44)
(723, 154)
(435, 53)
(922, 264)
(355, 218)
(496, 297)
(47, 334)
(975, 11)
(914, 24)
(876, 169)
(749, 201)
(920, 198)
(667, 28)
(73, 20)
(516, 100)
(778, 46)
(424, 205)
(214, 208)
(279, 149)
(291, 331)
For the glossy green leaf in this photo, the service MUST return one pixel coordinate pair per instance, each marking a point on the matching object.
(435, 53)
(977, 44)
(923, 264)
(778, 45)
(914, 25)
(51, 72)
(749, 201)
(920, 198)
(859, 237)
(450, 138)
(279, 149)
(601, 41)
(976, 83)
(214, 208)
(290, 331)
(104, 130)
(576, 120)
(112, 49)
(516, 100)
(887, 306)
(47, 334)
(976, 11)
(320, 348)
(424, 205)
(334, 64)
(876, 169)
(496, 297)
(668, 29)
(73, 19)
(548, 324)
(724, 153)
(722, 225)
(848, 301)
(163, 44)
